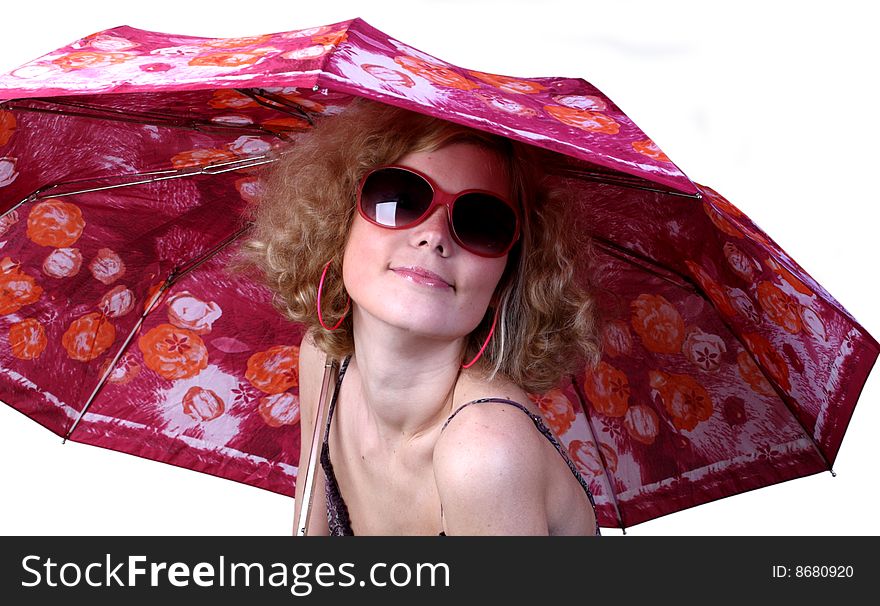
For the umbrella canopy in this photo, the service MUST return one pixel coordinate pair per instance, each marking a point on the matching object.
(127, 157)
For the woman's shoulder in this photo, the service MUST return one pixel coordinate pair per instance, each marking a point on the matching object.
(490, 431)
(490, 467)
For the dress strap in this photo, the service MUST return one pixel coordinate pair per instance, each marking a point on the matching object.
(342, 370)
(505, 400)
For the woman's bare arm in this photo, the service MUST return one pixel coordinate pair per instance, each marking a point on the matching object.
(311, 372)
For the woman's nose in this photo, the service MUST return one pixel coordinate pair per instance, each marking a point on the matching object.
(434, 231)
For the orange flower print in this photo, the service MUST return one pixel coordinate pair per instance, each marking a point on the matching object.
(27, 339)
(84, 59)
(227, 98)
(813, 324)
(505, 104)
(686, 401)
(172, 352)
(190, 312)
(88, 337)
(55, 223)
(125, 370)
(594, 122)
(285, 125)
(508, 84)
(616, 338)
(752, 375)
(789, 277)
(556, 409)
(246, 146)
(721, 202)
(306, 53)
(117, 302)
(388, 75)
(7, 221)
(607, 389)
(310, 104)
(721, 221)
(17, 288)
(588, 461)
(7, 126)
(658, 323)
(202, 404)
(201, 157)
(237, 42)
(232, 120)
(280, 409)
(780, 308)
(642, 423)
(703, 349)
(588, 102)
(305, 33)
(62, 263)
(250, 189)
(432, 72)
(743, 304)
(104, 42)
(274, 370)
(648, 148)
(742, 265)
(8, 174)
(233, 59)
(107, 266)
(334, 38)
(712, 289)
(723, 214)
(770, 360)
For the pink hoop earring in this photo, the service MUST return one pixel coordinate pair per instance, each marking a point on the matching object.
(320, 288)
(491, 331)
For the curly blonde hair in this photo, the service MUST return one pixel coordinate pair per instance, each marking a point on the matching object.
(548, 326)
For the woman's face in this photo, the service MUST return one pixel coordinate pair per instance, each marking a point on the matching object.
(373, 253)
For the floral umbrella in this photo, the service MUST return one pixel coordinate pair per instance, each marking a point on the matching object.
(127, 157)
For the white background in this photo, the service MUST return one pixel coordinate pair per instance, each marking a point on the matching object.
(773, 104)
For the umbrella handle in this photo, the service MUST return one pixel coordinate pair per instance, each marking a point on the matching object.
(302, 523)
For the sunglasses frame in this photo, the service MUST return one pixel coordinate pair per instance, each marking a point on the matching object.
(442, 197)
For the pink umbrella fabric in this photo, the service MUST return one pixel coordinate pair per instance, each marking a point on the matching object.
(127, 157)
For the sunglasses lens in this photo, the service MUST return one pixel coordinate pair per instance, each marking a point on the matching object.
(394, 197)
(484, 223)
(398, 198)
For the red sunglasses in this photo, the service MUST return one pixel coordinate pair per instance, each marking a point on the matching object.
(399, 197)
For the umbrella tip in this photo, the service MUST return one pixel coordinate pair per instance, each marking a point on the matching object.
(833, 475)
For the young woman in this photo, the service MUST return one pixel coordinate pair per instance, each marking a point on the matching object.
(432, 262)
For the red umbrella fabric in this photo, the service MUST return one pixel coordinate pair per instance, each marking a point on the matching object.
(127, 157)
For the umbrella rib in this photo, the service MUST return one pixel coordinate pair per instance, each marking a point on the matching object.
(646, 263)
(650, 266)
(621, 180)
(176, 273)
(161, 175)
(167, 120)
(783, 397)
(277, 103)
(614, 500)
(122, 349)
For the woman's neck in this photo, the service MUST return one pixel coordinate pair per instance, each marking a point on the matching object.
(406, 381)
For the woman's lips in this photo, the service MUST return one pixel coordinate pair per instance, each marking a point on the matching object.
(420, 279)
